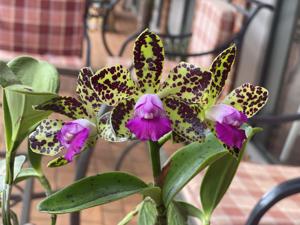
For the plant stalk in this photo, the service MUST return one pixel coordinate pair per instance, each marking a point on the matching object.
(154, 149)
(47, 187)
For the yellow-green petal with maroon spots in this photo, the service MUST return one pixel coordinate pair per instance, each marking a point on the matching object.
(178, 139)
(43, 140)
(61, 161)
(112, 84)
(188, 82)
(65, 105)
(105, 130)
(184, 119)
(148, 61)
(120, 116)
(220, 69)
(86, 93)
(247, 98)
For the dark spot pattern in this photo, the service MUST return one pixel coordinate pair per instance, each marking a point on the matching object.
(120, 116)
(184, 117)
(113, 84)
(86, 93)
(247, 98)
(105, 129)
(148, 61)
(65, 105)
(188, 82)
(43, 140)
(220, 69)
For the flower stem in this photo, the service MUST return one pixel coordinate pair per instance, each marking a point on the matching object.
(154, 148)
(46, 185)
(155, 160)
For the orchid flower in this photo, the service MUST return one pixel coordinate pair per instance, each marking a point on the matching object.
(145, 107)
(225, 118)
(54, 136)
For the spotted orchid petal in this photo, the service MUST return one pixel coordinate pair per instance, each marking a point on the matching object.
(188, 82)
(120, 115)
(44, 139)
(86, 93)
(220, 69)
(185, 121)
(67, 106)
(113, 84)
(105, 130)
(247, 98)
(148, 61)
(149, 121)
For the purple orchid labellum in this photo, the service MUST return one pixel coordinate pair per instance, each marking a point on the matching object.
(73, 136)
(150, 121)
(228, 122)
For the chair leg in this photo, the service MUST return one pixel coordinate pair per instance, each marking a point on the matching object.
(27, 197)
(123, 155)
(278, 193)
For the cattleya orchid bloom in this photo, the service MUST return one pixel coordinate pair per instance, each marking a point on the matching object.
(54, 136)
(225, 118)
(146, 107)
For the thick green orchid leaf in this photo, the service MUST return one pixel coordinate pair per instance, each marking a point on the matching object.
(185, 121)
(220, 69)
(18, 163)
(65, 105)
(219, 176)
(148, 61)
(175, 215)
(7, 77)
(120, 116)
(113, 84)
(44, 140)
(247, 98)
(105, 129)
(39, 75)
(188, 82)
(187, 163)
(26, 174)
(92, 191)
(86, 93)
(148, 212)
(130, 215)
(189, 210)
(19, 116)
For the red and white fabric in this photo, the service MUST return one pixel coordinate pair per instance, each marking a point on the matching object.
(213, 24)
(251, 182)
(47, 29)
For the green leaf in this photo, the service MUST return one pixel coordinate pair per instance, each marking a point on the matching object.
(25, 174)
(92, 191)
(35, 161)
(130, 215)
(19, 161)
(148, 212)
(188, 162)
(7, 77)
(189, 210)
(20, 118)
(219, 176)
(39, 75)
(175, 215)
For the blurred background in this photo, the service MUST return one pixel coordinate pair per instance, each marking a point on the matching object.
(97, 33)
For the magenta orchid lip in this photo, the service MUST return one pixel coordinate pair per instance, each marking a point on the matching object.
(150, 121)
